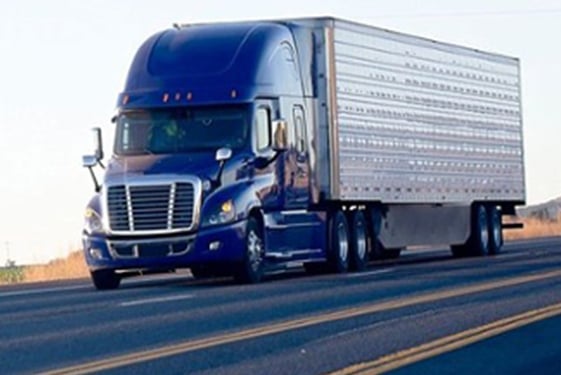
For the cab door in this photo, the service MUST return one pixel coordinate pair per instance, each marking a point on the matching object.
(298, 166)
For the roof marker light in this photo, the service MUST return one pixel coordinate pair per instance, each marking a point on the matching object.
(177, 96)
(125, 99)
(234, 94)
(165, 97)
(189, 95)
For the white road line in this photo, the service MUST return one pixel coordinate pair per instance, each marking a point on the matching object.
(43, 290)
(147, 301)
(364, 274)
(510, 255)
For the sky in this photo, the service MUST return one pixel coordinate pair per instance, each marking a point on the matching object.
(63, 63)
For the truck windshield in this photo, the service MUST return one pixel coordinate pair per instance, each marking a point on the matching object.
(181, 130)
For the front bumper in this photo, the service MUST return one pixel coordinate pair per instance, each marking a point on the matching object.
(221, 244)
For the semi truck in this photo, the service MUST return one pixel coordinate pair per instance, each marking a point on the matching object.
(246, 147)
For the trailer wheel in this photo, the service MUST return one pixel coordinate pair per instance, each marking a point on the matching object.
(479, 241)
(105, 279)
(359, 242)
(495, 230)
(250, 271)
(338, 241)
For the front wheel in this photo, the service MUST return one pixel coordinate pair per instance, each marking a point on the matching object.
(105, 279)
(252, 266)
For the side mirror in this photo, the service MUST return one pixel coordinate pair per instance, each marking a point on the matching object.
(90, 161)
(223, 154)
(280, 135)
(98, 143)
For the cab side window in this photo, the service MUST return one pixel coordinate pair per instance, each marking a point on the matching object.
(262, 129)
(300, 128)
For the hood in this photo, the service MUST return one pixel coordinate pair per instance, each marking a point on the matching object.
(202, 165)
(199, 164)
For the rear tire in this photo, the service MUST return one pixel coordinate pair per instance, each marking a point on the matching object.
(338, 241)
(478, 243)
(495, 230)
(359, 242)
(105, 279)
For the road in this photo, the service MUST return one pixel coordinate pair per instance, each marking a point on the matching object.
(426, 313)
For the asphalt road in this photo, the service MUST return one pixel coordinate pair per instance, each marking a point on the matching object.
(427, 313)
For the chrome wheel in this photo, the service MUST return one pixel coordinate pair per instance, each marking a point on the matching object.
(254, 250)
(250, 270)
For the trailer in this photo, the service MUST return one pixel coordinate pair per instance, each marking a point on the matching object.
(246, 147)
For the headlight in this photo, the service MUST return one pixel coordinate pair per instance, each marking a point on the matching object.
(92, 222)
(225, 213)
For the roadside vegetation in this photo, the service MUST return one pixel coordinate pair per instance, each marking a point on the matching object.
(74, 266)
(534, 228)
(71, 267)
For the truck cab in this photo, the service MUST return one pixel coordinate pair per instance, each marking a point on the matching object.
(211, 156)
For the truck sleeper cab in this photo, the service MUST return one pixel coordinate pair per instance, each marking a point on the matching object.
(246, 147)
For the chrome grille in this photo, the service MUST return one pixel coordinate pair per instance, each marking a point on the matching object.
(146, 208)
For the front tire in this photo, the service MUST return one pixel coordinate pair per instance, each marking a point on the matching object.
(251, 270)
(105, 279)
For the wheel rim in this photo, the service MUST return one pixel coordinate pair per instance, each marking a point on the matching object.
(254, 250)
(343, 242)
(360, 239)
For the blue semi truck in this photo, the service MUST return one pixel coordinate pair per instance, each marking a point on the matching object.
(246, 147)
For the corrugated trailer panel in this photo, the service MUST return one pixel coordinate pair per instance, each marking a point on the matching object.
(420, 121)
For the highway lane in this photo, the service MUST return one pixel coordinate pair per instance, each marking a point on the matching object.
(399, 305)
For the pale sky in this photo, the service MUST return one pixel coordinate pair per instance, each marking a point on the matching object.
(62, 64)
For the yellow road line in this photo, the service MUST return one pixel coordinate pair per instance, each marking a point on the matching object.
(192, 345)
(449, 343)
